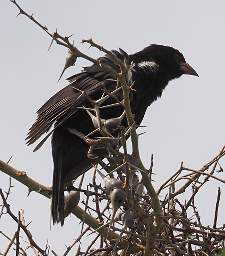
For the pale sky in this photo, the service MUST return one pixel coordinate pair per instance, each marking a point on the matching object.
(186, 124)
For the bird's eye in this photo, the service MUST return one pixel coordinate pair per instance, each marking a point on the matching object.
(177, 58)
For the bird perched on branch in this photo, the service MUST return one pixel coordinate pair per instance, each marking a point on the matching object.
(150, 71)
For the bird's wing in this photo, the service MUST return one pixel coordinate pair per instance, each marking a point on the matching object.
(62, 105)
(65, 102)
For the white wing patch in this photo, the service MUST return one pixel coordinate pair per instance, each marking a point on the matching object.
(148, 66)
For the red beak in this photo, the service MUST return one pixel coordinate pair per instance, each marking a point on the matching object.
(187, 69)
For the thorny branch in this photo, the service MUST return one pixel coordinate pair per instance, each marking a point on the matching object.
(178, 225)
(143, 224)
(20, 225)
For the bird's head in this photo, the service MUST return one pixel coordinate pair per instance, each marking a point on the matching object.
(168, 60)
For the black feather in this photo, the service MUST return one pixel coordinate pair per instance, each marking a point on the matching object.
(69, 152)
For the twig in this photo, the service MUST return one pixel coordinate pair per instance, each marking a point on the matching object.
(69, 248)
(18, 235)
(217, 207)
(13, 242)
(196, 176)
(91, 244)
(205, 174)
(174, 176)
(135, 149)
(10, 244)
(22, 177)
(24, 228)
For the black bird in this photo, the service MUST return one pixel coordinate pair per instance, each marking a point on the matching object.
(152, 69)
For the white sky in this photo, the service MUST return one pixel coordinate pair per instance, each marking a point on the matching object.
(186, 124)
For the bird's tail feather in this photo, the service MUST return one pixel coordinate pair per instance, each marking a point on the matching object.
(57, 207)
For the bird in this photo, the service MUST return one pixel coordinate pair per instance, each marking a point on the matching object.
(151, 69)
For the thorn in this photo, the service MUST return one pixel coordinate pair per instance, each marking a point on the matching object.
(70, 61)
(53, 38)
(20, 13)
(9, 159)
(70, 36)
(29, 191)
(28, 224)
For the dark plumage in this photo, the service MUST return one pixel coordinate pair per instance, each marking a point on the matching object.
(152, 69)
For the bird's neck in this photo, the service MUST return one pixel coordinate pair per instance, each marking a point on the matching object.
(148, 87)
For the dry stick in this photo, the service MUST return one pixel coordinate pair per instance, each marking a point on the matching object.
(96, 252)
(64, 41)
(77, 211)
(96, 197)
(196, 176)
(54, 253)
(201, 185)
(7, 193)
(13, 242)
(116, 60)
(69, 248)
(24, 228)
(135, 149)
(150, 170)
(125, 160)
(9, 188)
(174, 176)
(203, 231)
(22, 177)
(92, 243)
(196, 212)
(217, 207)
(85, 209)
(18, 235)
(99, 47)
(205, 174)
(10, 244)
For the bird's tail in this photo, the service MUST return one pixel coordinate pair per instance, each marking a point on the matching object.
(57, 207)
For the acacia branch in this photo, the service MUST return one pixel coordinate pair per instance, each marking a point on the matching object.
(23, 227)
(122, 79)
(32, 185)
(201, 171)
(135, 147)
(65, 42)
